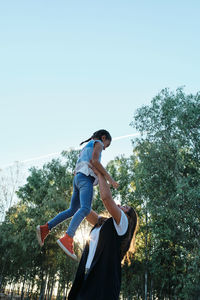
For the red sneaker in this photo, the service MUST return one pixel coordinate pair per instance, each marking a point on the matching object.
(42, 232)
(66, 243)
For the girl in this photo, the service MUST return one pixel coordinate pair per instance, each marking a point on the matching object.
(82, 195)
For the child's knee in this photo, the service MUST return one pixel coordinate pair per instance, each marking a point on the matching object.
(86, 210)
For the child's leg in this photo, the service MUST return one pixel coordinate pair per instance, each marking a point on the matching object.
(85, 185)
(74, 206)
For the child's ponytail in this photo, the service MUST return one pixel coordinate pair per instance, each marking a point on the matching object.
(85, 141)
(98, 135)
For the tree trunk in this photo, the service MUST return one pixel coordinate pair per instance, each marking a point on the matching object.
(1, 276)
(22, 291)
(32, 287)
(28, 292)
(51, 290)
(11, 296)
(146, 258)
(42, 289)
(48, 288)
(151, 290)
(58, 292)
(145, 285)
(64, 293)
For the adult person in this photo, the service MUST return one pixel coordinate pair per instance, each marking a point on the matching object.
(98, 275)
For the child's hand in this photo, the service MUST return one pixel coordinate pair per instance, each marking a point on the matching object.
(114, 183)
(96, 172)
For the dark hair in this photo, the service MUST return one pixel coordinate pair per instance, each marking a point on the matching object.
(98, 135)
(128, 244)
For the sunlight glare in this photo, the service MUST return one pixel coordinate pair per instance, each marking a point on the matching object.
(82, 236)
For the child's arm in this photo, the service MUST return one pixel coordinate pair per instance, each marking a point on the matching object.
(92, 218)
(95, 162)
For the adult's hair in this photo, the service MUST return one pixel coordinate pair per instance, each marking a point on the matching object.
(98, 135)
(128, 244)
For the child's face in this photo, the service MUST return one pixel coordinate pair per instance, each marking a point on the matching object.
(105, 141)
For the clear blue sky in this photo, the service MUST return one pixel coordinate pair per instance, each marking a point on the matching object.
(68, 68)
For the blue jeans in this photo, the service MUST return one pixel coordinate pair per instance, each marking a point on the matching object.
(80, 205)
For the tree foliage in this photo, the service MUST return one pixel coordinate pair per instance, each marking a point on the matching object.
(167, 181)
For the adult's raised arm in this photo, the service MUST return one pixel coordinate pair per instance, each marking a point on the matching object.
(107, 199)
(92, 218)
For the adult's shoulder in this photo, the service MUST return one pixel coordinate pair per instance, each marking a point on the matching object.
(122, 227)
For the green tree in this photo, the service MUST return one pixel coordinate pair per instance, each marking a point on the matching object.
(47, 191)
(167, 179)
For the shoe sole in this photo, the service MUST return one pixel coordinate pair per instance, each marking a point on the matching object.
(38, 234)
(73, 256)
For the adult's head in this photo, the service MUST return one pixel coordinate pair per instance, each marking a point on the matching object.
(128, 244)
(102, 135)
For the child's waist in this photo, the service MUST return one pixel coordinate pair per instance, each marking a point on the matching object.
(85, 168)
